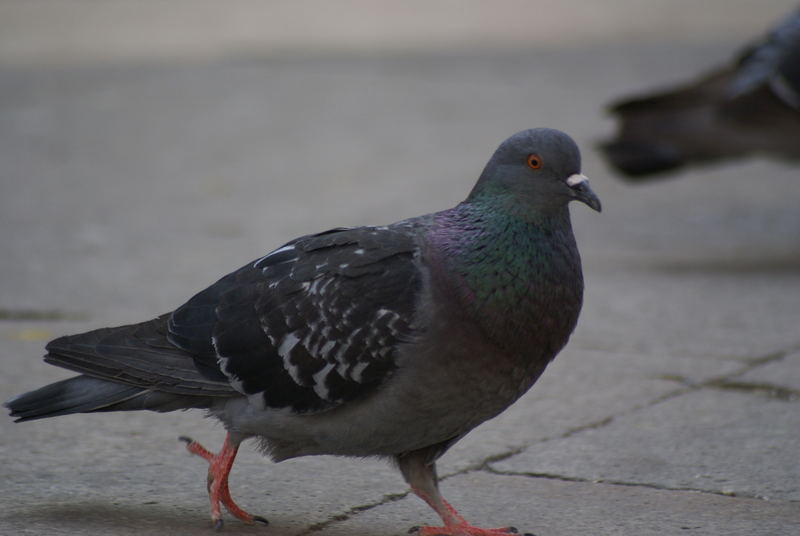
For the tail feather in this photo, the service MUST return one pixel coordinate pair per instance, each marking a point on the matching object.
(138, 355)
(124, 368)
(84, 394)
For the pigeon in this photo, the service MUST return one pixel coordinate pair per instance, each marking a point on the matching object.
(388, 341)
(749, 107)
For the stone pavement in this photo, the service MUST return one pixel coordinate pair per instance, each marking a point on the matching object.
(127, 186)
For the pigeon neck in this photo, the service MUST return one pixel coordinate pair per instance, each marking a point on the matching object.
(538, 208)
(499, 258)
(511, 274)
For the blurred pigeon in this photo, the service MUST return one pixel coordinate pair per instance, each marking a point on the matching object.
(389, 341)
(747, 108)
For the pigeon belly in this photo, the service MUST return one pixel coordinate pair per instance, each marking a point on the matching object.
(444, 387)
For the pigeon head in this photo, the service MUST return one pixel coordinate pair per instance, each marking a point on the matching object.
(535, 171)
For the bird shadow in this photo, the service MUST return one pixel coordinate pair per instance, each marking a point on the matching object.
(108, 518)
(123, 519)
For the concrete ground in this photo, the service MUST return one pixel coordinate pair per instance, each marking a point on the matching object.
(135, 175)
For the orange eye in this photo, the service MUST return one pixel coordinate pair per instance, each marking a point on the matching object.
(534, 161)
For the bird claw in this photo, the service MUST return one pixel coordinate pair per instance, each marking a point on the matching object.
(219, 467)
(463, 530)
(219, 523)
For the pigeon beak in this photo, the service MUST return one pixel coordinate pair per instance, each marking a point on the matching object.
(579, 185)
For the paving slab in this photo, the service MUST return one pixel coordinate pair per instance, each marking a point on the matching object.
(708, 313)
(548, 507)
(713, 440)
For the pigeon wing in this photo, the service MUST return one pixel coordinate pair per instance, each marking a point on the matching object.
(311, 325)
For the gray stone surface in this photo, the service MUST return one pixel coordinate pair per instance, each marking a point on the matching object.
(709, 314)
(126, 186)
(706, 440)
(783, 375)
(559, 508)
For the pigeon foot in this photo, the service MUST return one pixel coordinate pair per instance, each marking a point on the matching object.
(219, 468)
(454, 523)
(463, 529)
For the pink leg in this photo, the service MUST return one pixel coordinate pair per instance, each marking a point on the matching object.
(454, 523)
(219, 468)
(420, 472)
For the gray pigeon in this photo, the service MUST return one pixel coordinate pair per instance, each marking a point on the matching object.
(749, 107)
(389, 341)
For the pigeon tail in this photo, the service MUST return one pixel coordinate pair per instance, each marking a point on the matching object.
(84, 394)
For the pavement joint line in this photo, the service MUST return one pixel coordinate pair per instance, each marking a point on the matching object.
(564, 478)
(771, 390)
(688, 387)
(716, 381)
(41, 315)
(352, 512)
